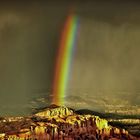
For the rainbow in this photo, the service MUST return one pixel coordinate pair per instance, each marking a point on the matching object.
(64, 59)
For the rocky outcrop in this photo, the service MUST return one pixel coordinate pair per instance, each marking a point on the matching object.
(60, 123)
(61, 111)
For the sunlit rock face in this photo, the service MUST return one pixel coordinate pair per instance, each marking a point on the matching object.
(55, 111)
(61, 123)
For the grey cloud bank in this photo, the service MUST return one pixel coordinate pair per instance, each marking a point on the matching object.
(106, 61)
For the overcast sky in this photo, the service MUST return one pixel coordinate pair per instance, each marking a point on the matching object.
(105, 65)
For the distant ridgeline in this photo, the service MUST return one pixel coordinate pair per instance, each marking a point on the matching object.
(54, 110)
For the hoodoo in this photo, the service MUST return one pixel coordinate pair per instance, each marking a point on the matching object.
(60, 122)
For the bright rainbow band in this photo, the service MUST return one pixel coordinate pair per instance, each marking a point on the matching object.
(64, 59)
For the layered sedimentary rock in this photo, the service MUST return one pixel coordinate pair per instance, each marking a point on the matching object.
(60, 123)
(53, 111)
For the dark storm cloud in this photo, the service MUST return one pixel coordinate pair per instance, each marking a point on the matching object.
(107, 58)
(106, 63)
(29, 36)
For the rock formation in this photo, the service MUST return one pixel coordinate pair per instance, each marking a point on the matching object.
(60, 123)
